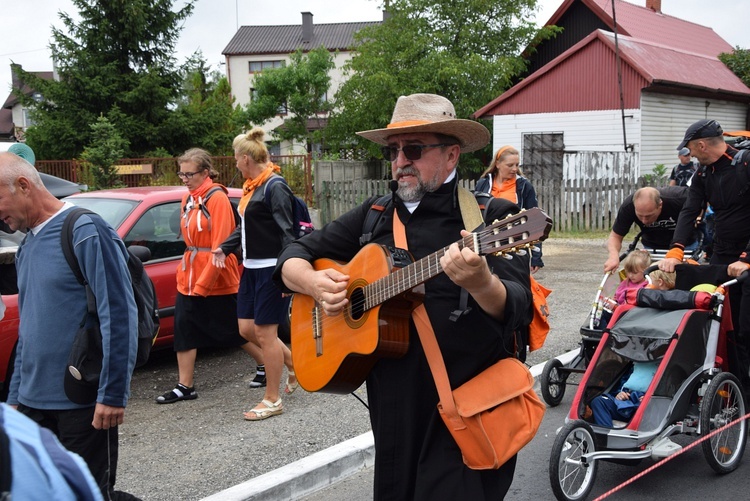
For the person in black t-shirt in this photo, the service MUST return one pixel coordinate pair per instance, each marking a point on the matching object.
(654, 211)
(683, 171)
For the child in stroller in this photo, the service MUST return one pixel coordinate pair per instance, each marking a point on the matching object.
(621, 405)
(682, 332)
(555, 376)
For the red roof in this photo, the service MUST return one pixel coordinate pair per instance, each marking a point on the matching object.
(645, 24)
(584, 77)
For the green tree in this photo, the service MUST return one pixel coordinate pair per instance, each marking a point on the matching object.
(302, 87)
(465, 50)
(739, 62)
(117, 61)
(206, 112)
(106, 148)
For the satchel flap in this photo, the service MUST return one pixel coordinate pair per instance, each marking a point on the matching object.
(499, 383)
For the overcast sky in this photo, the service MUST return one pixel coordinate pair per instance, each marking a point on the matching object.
(26, 24)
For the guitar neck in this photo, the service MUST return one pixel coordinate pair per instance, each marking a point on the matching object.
(508, 235)
(410, 276)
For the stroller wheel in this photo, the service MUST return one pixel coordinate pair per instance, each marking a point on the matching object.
(553, 382)
(571, 476)
(723, 403)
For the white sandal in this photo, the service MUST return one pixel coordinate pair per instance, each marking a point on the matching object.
(270, 409)
(290, 387)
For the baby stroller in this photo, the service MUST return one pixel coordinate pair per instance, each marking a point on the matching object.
(555, 375)
(689, 394)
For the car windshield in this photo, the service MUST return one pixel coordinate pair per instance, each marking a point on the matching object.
(112, 210)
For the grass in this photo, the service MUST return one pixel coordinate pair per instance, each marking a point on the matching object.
(592, 235)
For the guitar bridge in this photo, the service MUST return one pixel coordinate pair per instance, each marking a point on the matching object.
(317, 328)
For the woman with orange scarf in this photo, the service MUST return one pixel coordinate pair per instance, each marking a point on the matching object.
(267, 226)
(206, 295)
(503, 179)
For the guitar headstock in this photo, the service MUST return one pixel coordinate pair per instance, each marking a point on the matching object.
(516, 232)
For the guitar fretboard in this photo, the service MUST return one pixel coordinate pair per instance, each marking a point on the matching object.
(409, 276)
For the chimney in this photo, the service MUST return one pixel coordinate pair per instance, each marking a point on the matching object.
(307, 27)
(654, 5)
(15, 81)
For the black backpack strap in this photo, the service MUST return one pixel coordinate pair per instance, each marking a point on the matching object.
(742, 167)
(374, 213)
(66, 241)
(273, 179)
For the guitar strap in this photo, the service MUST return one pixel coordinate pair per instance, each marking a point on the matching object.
(428, 340)
(472, 217)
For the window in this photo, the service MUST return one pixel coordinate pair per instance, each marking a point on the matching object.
(257, 66)
(27, 120)
(159, 230)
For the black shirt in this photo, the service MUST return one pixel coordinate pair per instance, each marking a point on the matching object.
(681, 174)
(719, 185)
(658, 234)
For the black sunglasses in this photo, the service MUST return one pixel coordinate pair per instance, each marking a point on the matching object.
(411, 151)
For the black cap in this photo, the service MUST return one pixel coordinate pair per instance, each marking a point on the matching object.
(700, 129)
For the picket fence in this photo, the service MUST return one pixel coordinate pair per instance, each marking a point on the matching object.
(578, 205)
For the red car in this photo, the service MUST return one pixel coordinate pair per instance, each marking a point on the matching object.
(148, 216)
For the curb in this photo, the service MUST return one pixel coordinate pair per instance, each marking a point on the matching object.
(319, 470)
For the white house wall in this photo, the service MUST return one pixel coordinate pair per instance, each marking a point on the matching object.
(665, 119)
(582, 130)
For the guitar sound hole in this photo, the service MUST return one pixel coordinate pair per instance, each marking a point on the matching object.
(357, 303)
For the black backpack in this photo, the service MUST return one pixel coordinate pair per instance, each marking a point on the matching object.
(300, 213)
(143, 287)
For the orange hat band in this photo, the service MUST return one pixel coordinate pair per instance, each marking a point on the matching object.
(407, 123)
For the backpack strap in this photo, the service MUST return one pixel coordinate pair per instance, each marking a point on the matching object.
(203, 204)
(273, 179)
(742, 167)
(374, 213)
(66, 241)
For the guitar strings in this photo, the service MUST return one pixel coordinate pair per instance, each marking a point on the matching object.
(390, 286)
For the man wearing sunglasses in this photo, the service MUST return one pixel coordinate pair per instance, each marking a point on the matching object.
(721, 181)
(416, 457)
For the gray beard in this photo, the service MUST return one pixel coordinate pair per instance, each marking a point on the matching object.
(411, 194)
(416, 193)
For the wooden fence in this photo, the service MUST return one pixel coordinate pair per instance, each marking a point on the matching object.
(589, 205)
(297, 169)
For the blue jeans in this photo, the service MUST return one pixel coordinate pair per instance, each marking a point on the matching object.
(606, 408)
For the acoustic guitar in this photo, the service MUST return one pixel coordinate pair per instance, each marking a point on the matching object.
(334, 354)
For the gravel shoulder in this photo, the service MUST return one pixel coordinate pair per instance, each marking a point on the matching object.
(189, 450)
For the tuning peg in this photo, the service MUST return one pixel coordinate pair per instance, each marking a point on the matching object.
(521, 252)
(535, 248)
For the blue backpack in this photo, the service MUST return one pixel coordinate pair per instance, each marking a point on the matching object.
(300, 213)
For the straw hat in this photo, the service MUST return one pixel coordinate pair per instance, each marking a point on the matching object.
(430, 113)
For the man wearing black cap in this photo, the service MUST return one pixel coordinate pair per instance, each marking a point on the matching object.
(683, 171)
(723, 183)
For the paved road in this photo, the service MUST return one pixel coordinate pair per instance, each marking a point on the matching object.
(190, 450)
